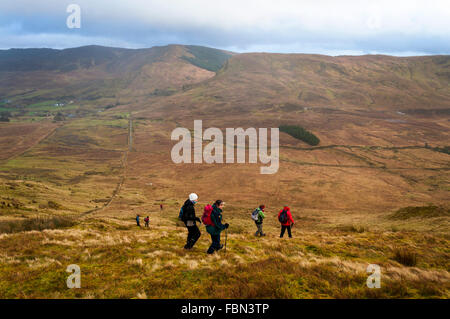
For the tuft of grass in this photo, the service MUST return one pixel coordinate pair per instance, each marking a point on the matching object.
(405, 257)
(38, 223)
(53, 205)
(352, 229)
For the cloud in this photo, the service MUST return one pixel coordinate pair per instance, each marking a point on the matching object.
(319, 26)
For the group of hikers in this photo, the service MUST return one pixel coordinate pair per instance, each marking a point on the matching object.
(146, 220)
(212, 219)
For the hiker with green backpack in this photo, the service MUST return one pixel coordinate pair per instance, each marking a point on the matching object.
(286, 221)
(258, 216)
(187, 216)
(212, 218)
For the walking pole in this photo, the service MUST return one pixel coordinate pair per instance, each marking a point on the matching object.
(226, 235)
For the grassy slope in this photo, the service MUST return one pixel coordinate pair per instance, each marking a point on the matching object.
(119, 260)
(342, 194)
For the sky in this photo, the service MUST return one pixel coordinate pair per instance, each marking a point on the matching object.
(352, 27)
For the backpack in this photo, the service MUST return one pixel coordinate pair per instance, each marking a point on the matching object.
(180, 215)
(283, 217)
(255, 215)
(206, 217)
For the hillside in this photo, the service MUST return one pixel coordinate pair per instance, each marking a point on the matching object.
(292, 82)
(364, 166)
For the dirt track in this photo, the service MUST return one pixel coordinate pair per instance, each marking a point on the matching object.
(124, 165)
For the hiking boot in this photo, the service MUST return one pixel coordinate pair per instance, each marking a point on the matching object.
(221, 246)
(263, 235)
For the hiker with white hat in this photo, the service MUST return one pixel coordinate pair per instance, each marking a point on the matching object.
(187, 215)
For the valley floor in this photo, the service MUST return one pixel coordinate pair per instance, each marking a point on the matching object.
(344, 198)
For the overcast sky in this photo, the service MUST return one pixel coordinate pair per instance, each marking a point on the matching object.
(395, 27)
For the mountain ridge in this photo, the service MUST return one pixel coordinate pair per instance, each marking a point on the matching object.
(217, 80)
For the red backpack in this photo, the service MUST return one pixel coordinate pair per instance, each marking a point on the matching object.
(206, 217)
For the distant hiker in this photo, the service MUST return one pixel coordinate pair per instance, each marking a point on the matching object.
(187, 215)
(146, 220)
(160, 206)
(212, 218)
(258, 216)
(286, 221)
(137, 220)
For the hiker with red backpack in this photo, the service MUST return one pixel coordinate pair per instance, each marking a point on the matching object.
(212, 218)
(187, 215)
(286, 221)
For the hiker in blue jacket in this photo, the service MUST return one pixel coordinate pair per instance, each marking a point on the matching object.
(217, 227)
(137, 221)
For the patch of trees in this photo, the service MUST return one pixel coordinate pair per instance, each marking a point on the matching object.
(206, 58)
(59, 117)
(163, 92)
(4, 116)
(428, 112)
(445, 149)
(300, 133)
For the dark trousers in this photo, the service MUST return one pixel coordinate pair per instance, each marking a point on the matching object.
(260, 230)
(193, 236)
(215, 245)
(283, 229)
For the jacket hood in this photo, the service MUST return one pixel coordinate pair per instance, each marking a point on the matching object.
(216, 208)
(286, 208)
(188, 202)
